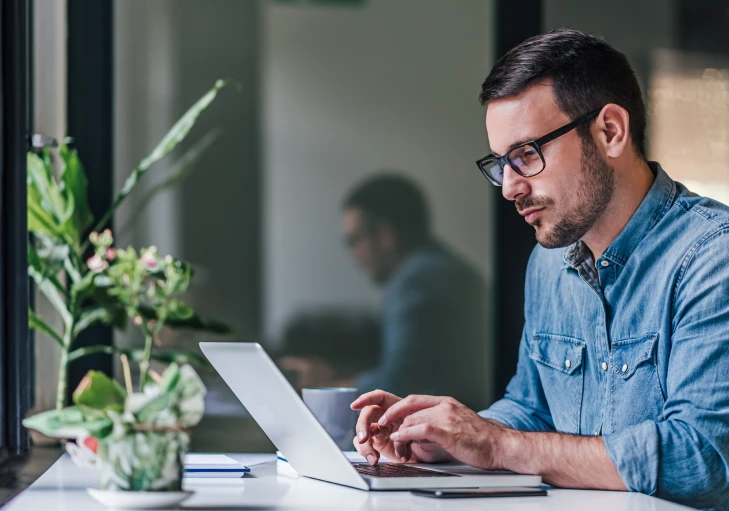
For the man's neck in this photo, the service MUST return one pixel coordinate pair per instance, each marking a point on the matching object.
(397, 258)
(631, 187)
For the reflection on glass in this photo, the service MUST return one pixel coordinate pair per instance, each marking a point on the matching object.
(689, 120)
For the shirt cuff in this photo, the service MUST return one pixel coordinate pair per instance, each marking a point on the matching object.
(635, 453)
(516, 416)
(503, 411)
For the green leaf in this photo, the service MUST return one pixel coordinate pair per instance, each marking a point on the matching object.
(91, 316)
(70, 422)
(179, 170)
(181, 391)
(101, 306)
(170, 378)
(37, 323)
(48, 258)
(40, 221)
(51, 249)
(85, 285)
(75, 187)
(173, 137)
(48, 286)
(41, 177)
(44, 268)
(99, 392)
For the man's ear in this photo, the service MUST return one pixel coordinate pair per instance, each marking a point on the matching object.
(613, 130)
(387, 235)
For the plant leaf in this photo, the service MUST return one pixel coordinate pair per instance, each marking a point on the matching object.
(40, 221)
(173, 137)
(36, 322)
(47, 287)
(91, 316)
(51, 254)
(71, 422)
(99, 392)
(179, 170)
(41, 176)
(75, 185)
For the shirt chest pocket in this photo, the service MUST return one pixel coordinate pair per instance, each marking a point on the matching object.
(559, 360)
(635, 392)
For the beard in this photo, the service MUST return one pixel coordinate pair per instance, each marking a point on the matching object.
(595, 189)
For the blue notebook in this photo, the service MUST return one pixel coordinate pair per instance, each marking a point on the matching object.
(213, 465)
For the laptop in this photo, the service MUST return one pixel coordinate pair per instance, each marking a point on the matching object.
(294, 430)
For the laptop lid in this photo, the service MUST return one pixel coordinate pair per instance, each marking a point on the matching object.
(276, 407)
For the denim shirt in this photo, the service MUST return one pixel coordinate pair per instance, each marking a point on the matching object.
(635, 347)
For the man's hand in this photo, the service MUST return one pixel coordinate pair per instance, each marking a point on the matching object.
(373, 440)
(425, 429)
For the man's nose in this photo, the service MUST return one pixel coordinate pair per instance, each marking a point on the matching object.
(514, 184)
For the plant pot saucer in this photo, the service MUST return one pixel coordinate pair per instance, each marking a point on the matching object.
(138, 499)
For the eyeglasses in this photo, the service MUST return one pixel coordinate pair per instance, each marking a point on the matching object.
(526, 159)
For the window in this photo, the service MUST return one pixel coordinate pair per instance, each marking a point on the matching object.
(15, 346)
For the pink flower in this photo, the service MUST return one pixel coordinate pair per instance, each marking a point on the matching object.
(96, 264)
(149, 260)
(110, 254)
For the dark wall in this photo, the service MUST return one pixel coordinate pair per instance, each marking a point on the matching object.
(515, 22)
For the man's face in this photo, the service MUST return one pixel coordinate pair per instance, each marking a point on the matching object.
(567, 198)
(366, 243)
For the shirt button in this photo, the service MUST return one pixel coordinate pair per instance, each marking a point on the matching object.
(624, 368)
(604, 366)
(604, 263)
(567, 363)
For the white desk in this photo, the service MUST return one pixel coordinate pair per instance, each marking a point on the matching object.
(63, 488)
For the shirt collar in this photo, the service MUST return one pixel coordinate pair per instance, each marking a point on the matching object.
(654, 206)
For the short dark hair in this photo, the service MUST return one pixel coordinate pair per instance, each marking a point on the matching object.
(586, 73)
(396, 200)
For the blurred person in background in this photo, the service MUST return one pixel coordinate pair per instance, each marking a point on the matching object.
(433, 329)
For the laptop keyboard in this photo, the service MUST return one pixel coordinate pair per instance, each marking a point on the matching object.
(397, 470)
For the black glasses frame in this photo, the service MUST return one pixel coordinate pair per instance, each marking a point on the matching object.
(502, 161)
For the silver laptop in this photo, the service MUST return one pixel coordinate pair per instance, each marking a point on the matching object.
(283, 416)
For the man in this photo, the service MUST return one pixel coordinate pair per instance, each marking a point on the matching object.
(433, 329)
(623, 374)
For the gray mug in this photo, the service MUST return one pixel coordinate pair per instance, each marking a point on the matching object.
(330, 405)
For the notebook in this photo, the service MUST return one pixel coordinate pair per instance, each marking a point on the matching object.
(213, 465)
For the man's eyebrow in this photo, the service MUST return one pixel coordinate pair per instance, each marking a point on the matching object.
(514, 145)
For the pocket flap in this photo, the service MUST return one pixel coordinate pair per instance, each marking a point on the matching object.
(557, 351)
(626, 355)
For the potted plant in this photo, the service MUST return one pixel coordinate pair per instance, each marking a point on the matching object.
(136, 438)
(136, 435)
(59, 220)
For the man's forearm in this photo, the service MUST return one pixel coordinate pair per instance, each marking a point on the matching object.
(562, 460)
